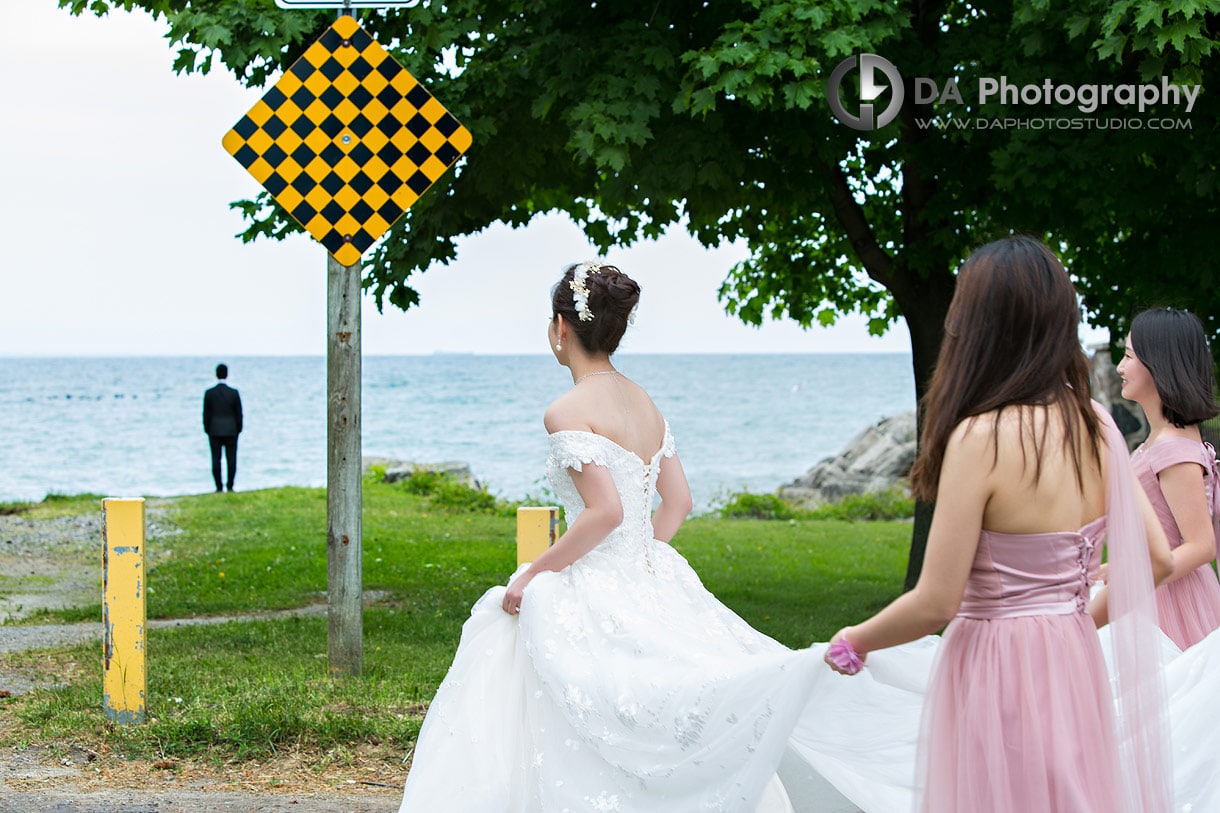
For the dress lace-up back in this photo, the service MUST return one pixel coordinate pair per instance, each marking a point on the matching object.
(635, 479)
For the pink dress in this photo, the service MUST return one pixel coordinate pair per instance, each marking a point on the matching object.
(1019, 713)
(1188, 608)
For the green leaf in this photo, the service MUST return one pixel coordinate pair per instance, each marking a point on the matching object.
(1148, 14)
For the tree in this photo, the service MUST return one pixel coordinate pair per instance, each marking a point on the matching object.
(636, 115)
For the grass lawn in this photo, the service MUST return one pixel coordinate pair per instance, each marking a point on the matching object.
(248, 690)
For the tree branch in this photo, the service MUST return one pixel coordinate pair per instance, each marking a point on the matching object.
(850, 214)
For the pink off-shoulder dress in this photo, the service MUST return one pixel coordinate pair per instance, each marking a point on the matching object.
(1188, 608)
(1019, 712)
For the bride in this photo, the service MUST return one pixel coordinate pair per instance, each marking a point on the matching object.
(606, 677)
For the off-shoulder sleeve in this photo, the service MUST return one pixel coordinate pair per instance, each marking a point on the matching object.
(1172, 451)
(668, 449)
(571, 450)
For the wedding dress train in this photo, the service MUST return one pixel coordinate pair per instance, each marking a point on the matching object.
(859, 734)
(624, 685)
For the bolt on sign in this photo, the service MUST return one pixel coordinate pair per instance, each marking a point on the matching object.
(347, 140)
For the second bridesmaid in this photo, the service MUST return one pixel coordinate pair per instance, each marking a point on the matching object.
(1167, 370)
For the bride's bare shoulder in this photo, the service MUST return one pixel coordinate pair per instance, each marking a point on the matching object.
(566, 413)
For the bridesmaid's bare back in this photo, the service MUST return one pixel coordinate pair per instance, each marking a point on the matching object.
(1035, 486)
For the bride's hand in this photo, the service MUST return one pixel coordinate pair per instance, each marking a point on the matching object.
(514, 594)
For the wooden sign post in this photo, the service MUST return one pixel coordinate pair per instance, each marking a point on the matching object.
(345, 142)
(344, 576)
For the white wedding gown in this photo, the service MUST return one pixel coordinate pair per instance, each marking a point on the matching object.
(624, 685)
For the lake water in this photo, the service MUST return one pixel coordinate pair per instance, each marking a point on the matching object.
(132, 426)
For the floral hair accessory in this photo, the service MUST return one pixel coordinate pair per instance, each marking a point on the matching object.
(580, 288)
(843, 655)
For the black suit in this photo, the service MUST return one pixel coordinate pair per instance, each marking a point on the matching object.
(222, 422)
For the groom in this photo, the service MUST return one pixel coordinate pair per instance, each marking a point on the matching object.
(222, 422)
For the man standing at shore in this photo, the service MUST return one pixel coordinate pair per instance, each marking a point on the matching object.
(222, 423)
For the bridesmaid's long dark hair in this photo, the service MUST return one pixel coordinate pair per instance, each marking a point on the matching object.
(1010, 339)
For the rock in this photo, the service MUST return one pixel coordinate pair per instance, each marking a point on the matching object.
(881, 456)
(396, 470)
(877, 459)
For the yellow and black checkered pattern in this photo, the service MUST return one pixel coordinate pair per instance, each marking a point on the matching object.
(347, 140)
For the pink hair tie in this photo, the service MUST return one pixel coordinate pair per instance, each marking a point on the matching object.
(843, 655)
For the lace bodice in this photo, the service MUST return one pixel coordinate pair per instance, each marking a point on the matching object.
(635, 479)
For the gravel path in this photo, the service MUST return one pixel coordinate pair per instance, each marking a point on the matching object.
(18, 638)
(63, 799)
(56, 564)
(49, 564)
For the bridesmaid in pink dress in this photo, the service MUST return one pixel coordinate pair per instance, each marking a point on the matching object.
(1028, 477)
(1167, 370)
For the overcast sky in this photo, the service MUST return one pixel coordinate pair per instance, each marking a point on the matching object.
(120, 240)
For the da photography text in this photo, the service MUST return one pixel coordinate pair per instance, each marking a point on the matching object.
(1086, 98)
(879, 77)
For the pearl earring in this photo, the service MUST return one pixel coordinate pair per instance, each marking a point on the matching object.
(558, 346)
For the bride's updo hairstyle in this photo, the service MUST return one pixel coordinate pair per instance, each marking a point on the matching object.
(597, 301)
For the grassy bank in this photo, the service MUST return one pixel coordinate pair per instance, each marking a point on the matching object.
(244, 690)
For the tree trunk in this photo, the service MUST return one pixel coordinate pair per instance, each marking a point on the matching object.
(921, 280)
(926, 320)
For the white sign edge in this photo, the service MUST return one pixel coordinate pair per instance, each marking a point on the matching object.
(339, 4)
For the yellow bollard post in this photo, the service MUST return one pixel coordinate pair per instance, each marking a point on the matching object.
(124, 675)
(536, 531)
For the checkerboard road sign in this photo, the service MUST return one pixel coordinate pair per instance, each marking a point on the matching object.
(347, 140)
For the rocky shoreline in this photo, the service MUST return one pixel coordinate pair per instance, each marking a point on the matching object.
(877, 459)
(881, 456)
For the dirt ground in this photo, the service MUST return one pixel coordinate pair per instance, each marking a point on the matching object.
(54, 564)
